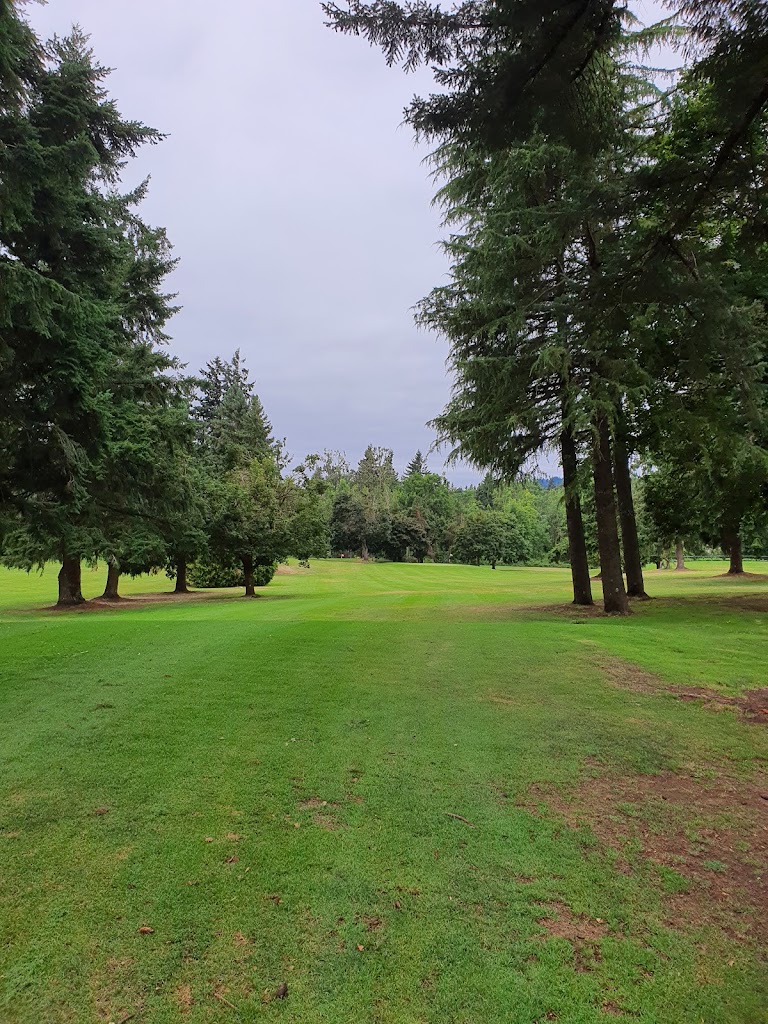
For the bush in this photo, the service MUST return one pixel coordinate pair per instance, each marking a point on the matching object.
(210, 576)
(264, 574)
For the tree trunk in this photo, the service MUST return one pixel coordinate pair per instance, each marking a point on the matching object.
(735, 551)
(577, 545)
(633, 562)
(181, 577)
(614, 593)
(364, 551)
(111, 591)
(250, 584)
(680, 557)
(70, 587)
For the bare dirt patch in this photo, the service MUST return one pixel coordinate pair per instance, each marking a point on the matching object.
(752, 705)
(562, 923)
(712, 833)
(314, 803)
(372, 924)
(150, 600)
(584, 934)
(576, 612)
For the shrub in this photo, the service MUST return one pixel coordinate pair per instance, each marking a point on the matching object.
(264, 574)
(210, 576)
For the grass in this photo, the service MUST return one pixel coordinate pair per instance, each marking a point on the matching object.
(342, 786)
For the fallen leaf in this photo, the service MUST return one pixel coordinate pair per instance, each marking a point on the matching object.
(146, 930)
(209, 839)
(282, 991)
(101, 810)
(360, 948)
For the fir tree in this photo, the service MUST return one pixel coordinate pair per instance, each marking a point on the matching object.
(417, 465)
(68, 308)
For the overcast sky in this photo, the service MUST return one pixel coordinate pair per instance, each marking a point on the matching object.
(298, 205)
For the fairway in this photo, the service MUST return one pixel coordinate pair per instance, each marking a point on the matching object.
(409, 794)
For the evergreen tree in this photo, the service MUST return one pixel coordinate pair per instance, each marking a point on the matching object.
(216, 380)
(417, 465)
(249, 519)
(375, 480)
(67, 249)
(233, 424)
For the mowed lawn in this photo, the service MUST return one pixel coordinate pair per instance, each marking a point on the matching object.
(410, 794)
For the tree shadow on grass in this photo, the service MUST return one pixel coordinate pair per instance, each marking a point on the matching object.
(139, 601)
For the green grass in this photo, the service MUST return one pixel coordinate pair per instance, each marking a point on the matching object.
(400, 695)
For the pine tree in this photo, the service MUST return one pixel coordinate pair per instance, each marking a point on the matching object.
(234, 427)
(66, 303)
(417, 465)
(216, 380)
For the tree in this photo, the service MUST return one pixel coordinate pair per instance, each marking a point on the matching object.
(541, 110)
(540, 82)
(216, 380)
(407, 533)
(233, 426)
(430, 498)
(480, 538)
(249, 519)
(417, 465)
(68, 250)
(375, 480)
(310, 518)
(348, 522)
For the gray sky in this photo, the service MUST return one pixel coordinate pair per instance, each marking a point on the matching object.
(299, 208)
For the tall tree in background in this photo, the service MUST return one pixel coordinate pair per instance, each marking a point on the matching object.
(233, 425)
(417, 465)
(375, 479)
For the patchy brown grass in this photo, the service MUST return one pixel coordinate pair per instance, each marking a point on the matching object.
(756, 576)
(752, 706)
(584, 934)
(372, 923)
(322, 811)
(314, 803)
(184, 998)
(713, 832)
(562, 923)
(327, 822)
(631, 677)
